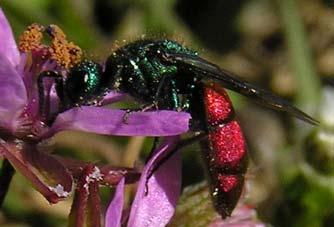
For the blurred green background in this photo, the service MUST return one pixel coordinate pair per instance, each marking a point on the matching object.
(285, 46)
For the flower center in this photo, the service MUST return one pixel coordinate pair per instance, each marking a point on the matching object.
(42, 49)
(30, 128)
(64, 53)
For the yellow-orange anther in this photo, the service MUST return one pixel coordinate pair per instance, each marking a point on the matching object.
(31, 39)
(65, 53)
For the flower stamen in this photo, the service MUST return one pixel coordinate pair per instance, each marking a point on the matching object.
(31, 39)
(65, 53)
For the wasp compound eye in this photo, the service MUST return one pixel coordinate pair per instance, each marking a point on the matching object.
(83, 82)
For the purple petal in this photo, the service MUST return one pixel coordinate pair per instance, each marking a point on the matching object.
(86, 207)
(111, 175)
(156, 206)
(94, 205)
(222, 223)
(242, 216)
(115, 208)
(111, 122)
(45, 173)
(8, 45)
(77, 215)
(13, 94)
(54, 101)
(112, 97)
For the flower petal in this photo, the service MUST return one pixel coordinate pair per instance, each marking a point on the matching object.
(111, 122)
(156, 206)
(110, 175)
(112, 97)
(13, 94)
(242, 216)
(115, 208)
(94, 205)
(86, 207)
(46, 174)
(8, 45)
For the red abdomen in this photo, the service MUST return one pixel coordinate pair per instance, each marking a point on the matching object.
(225, 150)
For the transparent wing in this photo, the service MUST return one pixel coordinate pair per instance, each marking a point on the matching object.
(230, 81)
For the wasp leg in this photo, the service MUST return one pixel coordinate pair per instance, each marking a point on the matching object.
(160, 86)
(170, 94)
(154, 146)
(183, 143)
(145, 108)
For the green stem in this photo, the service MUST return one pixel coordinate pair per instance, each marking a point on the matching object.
(301, 56)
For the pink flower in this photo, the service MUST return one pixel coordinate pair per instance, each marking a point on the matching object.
(23, 128)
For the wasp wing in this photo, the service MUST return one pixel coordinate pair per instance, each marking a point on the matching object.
(230, 81)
